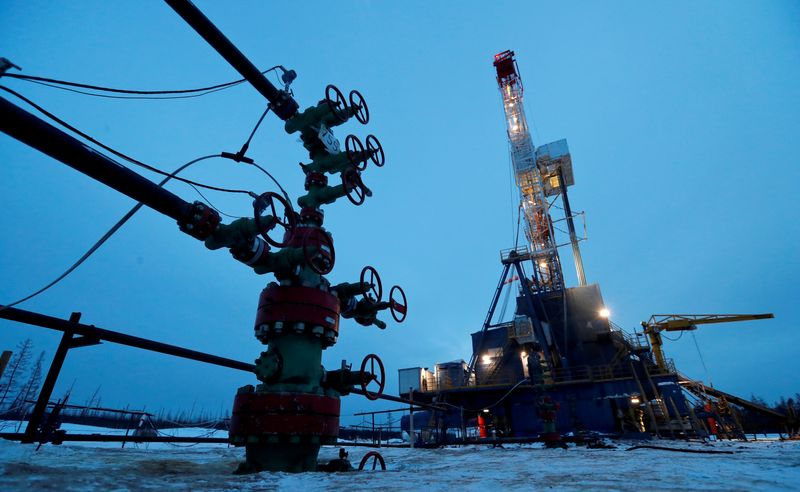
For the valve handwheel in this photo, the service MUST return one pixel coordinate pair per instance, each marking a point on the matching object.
(355, 152)
(319, 252)
(376, 459)
(353, 186)
(366, 380)
(359, 107)
(284, 221)
(336, 102)
(374, 290)
(398, 304)
(375, 150)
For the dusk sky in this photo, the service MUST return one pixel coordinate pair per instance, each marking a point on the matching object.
(683, 119)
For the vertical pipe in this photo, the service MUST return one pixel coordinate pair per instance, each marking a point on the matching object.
(573, 238)
(37, 415)
(411, 418)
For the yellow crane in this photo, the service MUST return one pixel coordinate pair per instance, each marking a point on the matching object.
(686, 322)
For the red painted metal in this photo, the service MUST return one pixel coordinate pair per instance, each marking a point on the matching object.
(256, 414)
(298, 304)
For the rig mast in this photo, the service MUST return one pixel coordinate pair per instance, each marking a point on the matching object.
(539, 173)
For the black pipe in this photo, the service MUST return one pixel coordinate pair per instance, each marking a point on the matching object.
(44, 321)
(44, 137)
(283, 105)
(397, 399)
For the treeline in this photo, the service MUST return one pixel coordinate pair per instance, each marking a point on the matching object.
(22, 380)
(757, 422)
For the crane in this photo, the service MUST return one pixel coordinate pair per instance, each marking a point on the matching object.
(686, 322)
(539, 173)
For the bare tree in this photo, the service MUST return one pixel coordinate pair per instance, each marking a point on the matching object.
(29, 391)
(16, 368)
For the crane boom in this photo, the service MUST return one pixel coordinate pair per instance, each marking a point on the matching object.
(686, 322)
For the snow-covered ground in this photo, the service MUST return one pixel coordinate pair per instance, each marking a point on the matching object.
(759, 465)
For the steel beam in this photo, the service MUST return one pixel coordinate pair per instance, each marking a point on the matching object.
(37, 415)
(52, 323)
(44, 137)
(573, 237)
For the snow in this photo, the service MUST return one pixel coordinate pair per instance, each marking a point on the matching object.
(755, 465)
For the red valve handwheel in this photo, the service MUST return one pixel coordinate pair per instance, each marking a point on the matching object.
(359, 106)
(374, 291)
(375, 150)
(336, 102)
(353, 186)
(376, 459)
(319, 252)
(371, 359)
(398, 308)
(355, 152)
(286, 220)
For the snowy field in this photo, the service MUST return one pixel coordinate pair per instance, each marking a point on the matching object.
(759, 465)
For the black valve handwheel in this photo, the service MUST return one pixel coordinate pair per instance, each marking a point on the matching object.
(336, 102)
(398, 304)
(359, 107)
(319, 252)
(368, 377)
(375, 150)
(355, 152)
(285, 221)
(353, 186)
(373, 292)
(376, 459)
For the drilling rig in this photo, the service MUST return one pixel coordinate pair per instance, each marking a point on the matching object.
(559, 364)
(282, 421)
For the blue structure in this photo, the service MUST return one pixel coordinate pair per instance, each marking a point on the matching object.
(559, 345)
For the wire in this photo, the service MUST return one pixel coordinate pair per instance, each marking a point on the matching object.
(105, 236)
(115, 152)
(130, 91)
(674, 339)
(277, 183)
(702, 361)
(107, 96)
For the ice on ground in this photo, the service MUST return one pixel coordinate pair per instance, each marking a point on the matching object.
(755, 465)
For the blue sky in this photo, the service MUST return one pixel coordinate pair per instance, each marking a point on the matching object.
(682, 118)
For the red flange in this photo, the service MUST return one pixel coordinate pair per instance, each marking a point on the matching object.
(287, 414)
(297, 304)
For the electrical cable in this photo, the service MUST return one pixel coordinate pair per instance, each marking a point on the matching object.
(115, 152)
(702, 361)
(130, 91)
(107, 96)
(105, 236)
(526, 380)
